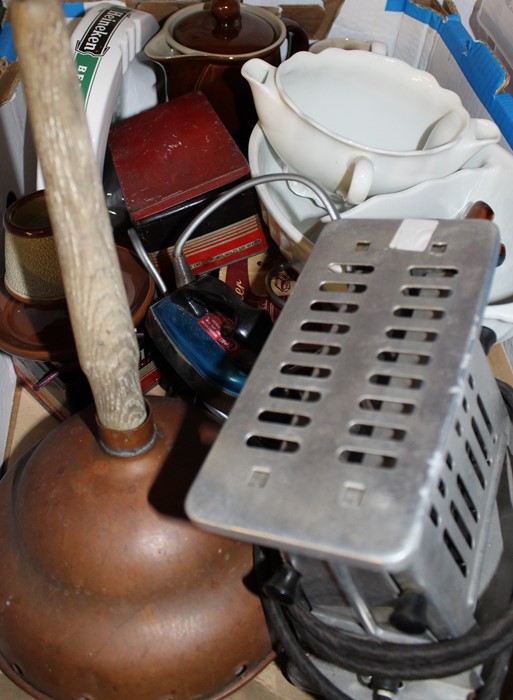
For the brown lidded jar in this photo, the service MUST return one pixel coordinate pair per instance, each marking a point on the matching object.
(32, 272)
(203, 46)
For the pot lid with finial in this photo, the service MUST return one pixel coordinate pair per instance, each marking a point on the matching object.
(224, 27)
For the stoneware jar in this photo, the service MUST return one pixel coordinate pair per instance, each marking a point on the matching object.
(32, 272)
(202, 47)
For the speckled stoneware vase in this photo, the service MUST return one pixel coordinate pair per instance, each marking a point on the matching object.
(32, 272)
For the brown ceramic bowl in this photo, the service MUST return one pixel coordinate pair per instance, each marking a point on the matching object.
(43, 331)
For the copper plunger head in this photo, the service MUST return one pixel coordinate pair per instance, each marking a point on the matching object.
(108, 591)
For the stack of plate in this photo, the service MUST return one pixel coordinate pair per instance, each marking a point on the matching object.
(295, 220)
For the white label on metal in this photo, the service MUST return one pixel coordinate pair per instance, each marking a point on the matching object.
(414, 234)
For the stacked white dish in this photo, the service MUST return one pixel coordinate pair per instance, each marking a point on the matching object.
(362, 124)
(294, 220)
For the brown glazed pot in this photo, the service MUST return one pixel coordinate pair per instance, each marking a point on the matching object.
(42, 331)
(202, 47)
(107, 591)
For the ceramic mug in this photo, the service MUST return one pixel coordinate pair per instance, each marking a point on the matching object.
(349, 44)
(32, 272)
(360, 123)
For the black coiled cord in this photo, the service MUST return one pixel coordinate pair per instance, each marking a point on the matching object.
(404, 661)
(299, 632)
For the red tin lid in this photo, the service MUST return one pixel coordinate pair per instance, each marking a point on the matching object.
(173, 153)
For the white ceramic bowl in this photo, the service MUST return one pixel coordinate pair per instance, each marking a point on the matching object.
(294, 221)
(362, 124)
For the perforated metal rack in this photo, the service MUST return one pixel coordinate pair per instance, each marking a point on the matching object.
(371, 430)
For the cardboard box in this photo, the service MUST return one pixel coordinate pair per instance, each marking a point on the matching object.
(423, 33)
(432, 38)
(490, 21)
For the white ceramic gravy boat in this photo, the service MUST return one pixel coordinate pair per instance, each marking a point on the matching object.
(361, 123)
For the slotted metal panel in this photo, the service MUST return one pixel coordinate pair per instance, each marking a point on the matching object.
(367, 428)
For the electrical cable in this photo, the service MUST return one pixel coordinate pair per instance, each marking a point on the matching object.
(495, 677)
(279, 627)
(295, 652)
(405, 661)
(349, 652)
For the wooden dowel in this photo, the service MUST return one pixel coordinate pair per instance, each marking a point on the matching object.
(97, 302)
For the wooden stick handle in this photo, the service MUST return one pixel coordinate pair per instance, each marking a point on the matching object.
(97, 302)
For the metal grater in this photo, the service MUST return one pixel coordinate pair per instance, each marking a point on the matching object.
(371, 430)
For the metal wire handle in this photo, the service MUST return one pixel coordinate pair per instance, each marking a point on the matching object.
(183, 273)
(146, 260)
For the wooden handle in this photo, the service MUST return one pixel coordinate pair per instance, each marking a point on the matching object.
(97, 302)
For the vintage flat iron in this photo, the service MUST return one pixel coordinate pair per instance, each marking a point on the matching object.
(370, 462)
(206, 333)
(203, 329)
